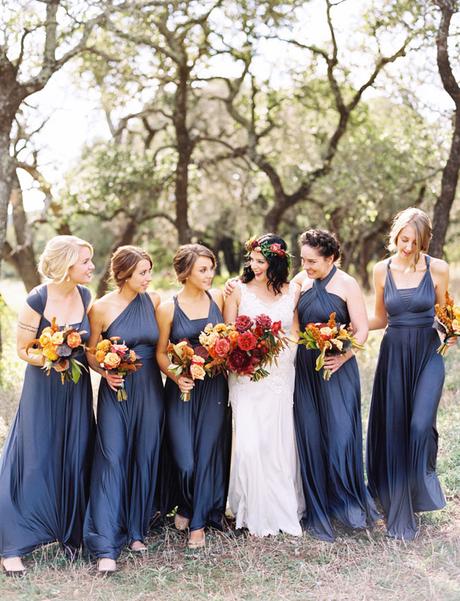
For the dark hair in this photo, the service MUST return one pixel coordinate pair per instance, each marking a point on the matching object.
(186, 256)
(278, 266)
(124, 261)
(325, 242)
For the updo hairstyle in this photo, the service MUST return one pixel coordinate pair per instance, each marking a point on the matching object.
(59, 255)
(186, 257)
(325, 242)
(124, 262)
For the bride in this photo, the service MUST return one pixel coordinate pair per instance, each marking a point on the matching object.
(265, 488)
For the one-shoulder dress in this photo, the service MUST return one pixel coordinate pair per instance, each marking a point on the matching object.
(125, 467)
(402, 439)
(328, 426)
(198, 435)
(46, 461)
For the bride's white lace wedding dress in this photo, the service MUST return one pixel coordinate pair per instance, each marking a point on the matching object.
(265, 492)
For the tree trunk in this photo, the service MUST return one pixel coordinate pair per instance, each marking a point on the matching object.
(23, 256)
(446, 197)
(126, 236)
(184, 151)
(232, 259)
(450, 172)
(7, 172)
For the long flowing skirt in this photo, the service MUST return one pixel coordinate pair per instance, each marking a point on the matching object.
(402, 438)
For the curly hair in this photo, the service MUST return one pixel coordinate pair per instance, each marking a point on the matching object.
(325, 242)
(278, 265)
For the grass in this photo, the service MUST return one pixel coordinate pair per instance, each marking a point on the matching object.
(359, 566)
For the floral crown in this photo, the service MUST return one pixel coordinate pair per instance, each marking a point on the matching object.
(267, 249)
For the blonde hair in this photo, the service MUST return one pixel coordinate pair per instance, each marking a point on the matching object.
(186, 256)
(59, 255)
(124, 261)
(421, 223)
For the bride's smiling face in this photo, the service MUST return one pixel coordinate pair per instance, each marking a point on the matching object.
(259, 265)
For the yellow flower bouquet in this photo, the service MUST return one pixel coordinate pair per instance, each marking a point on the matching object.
(59, 348)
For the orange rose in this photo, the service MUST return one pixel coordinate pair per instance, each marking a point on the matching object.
(49, 352)
(112, 360)
(132, 356)
(188, 352)
(197, 372)
(100, 356)
(103, 345)
(57, 338)
(73, 339)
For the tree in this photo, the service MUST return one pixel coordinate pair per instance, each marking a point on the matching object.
(34, 46)
(451, 169)
(345, 99)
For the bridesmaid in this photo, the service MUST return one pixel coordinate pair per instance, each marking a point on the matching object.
(198, 431)
(402, 438)
(328, 413)
(125, 466)
(44, 470)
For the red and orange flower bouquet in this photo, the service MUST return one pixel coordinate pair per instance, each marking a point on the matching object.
(329, 338)
(118, 359)
(245, 348)
(60, 347)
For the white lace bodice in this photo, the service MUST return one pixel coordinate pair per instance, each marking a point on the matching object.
(279, 309)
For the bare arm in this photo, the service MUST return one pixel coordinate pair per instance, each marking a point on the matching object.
(217, 297)
(28, 322)
(359, 323)
(155, 298)
(165, 314)
(295, 328)
(232, 303)
(299, 279)
(357, 310)
(440, 272)
(379, 320)
(230, 286)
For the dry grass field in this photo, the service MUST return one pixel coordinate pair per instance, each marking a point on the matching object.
(359, 566)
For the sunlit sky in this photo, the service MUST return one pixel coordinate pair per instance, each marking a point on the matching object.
(75, 117)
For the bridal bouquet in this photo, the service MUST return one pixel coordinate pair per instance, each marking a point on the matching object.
(59, 348)
(118, 359)
(217, 342)
(185, 362)
(329, 338)
(448, 321)
(255, 345)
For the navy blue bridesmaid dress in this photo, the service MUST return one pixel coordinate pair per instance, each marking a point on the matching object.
(125, 467)
(46, 461)
(402, 438)
(198, 435)
(328, 425)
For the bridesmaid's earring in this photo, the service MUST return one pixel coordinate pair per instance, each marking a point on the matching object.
(67, 278)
